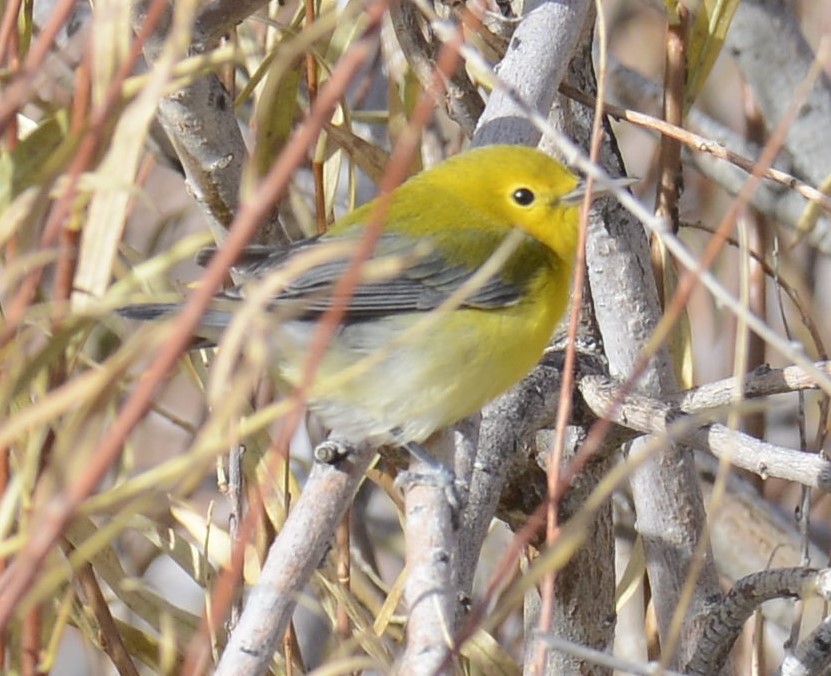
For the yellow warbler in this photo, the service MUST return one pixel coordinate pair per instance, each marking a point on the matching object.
(482, 246)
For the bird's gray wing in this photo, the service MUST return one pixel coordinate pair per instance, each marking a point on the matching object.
(401, 276)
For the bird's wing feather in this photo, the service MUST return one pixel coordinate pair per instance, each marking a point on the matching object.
(419, 280)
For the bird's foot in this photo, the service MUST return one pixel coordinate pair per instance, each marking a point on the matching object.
(431, 473)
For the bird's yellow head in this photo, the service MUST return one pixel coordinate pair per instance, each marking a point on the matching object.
(521, 186)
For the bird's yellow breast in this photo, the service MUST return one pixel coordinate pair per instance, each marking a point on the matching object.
(402, 377)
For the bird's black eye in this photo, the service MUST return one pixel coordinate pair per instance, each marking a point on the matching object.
(523, 196)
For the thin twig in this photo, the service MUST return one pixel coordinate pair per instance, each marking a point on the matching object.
(109, 635)
(704, 145)
(236, 493)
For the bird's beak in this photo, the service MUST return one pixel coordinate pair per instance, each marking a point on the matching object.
(576, 196)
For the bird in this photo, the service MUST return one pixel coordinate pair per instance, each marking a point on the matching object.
(468, 279)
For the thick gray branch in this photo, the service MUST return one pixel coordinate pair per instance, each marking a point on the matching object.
(536, 62)
(431, 540)
(464, 104)
(668, 502)
(774, 57)
(768, 45)
(200, 122)
(218, 17)
(553, 39)
(812, 657)
(750, 534)
(292, 558)
(728, 615)
(762, 382)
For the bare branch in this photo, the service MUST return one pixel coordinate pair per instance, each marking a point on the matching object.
(653, 416)
(431, 540)
(217, 17)
(716, 142)
(775, 74)
(670, 509)
(729, 614)
(811, 657)
(111, 639)
(762, 382)
(200, 122)
(464, 104)
(292, 558)
(749, 533)
(537, 59)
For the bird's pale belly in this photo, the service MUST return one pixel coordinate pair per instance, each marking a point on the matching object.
(403, 378)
